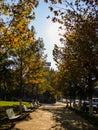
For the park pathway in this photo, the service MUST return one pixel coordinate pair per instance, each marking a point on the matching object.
(53, 117)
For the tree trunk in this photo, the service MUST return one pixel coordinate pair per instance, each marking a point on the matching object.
(90, 107)
(73, 103)
(67, 102)
(90, 94)
(20, 105)
(70, 102)
(80, 102)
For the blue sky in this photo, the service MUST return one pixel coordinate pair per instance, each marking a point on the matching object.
(46, 29)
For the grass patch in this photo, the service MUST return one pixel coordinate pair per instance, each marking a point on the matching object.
(8, 103)
(4, 122)
(11, 103)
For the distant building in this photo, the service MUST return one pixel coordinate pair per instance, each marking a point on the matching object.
(48, 64)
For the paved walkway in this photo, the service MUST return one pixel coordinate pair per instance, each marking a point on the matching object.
(53, 117)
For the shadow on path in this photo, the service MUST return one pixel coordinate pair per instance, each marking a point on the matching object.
(66, 119)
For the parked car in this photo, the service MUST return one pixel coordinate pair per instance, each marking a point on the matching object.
(94, 104)
(95, 101)
(77, 102)
(63, 100)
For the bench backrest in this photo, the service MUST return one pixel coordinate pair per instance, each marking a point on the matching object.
(25, 108)
(10, 113)
(32, 105)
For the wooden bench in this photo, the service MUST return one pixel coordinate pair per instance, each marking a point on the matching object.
(26, 109)
(11, 115)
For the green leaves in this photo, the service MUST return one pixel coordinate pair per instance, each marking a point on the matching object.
(77, 60)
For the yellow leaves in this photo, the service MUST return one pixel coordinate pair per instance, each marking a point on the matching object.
(32, 81)
(36, 73)
(30, 33)
(1, 51)
(32, 39)
(30, 6)
(15, 40)
(17, 32)
(24, 12)
(36, 81)
(8, 32)
(20, 23)
(3, 29)
(18, 19)
(31, 36)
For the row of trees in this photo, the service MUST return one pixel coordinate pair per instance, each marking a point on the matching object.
(22, 59)
(77, 58)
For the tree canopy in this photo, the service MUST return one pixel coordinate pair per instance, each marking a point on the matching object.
(22, 59)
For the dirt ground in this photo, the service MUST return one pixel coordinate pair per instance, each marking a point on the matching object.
(53, 117)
